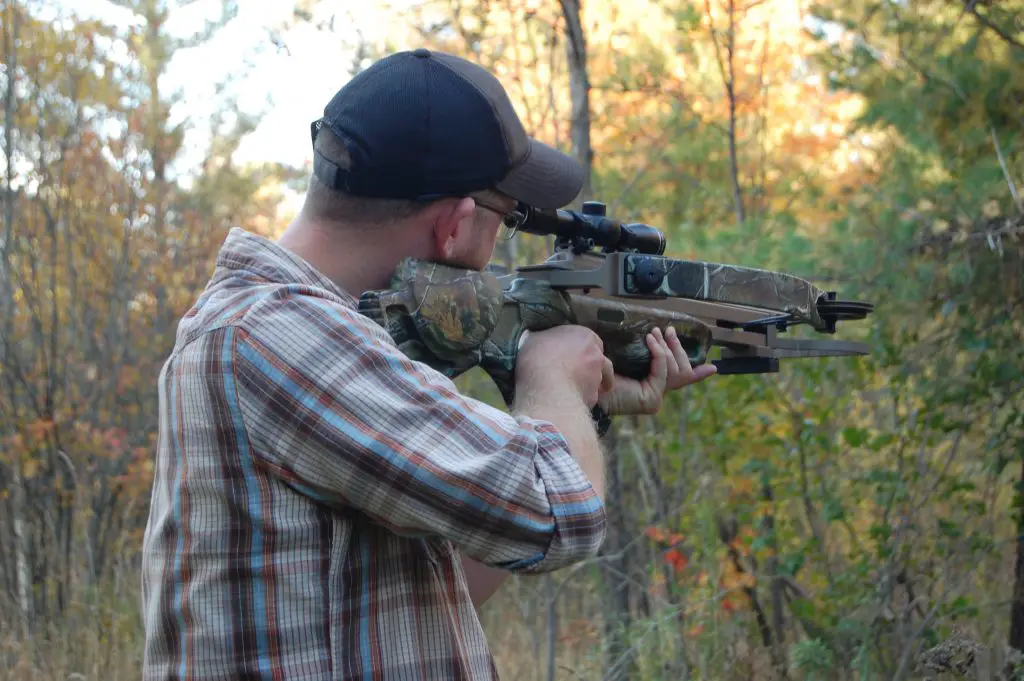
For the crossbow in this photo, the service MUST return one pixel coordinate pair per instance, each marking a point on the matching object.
(614, 278)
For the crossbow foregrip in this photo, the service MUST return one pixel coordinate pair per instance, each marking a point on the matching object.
(453, 319)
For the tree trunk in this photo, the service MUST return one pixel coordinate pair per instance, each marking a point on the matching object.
(619, 661)
(727, 69)
(552, 601)
(24, 577)
(1017, 605)
(734, 172)
(579, 91)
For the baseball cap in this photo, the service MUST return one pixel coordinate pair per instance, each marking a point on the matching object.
(423, 125)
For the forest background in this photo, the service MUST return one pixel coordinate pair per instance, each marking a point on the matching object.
(838, 520)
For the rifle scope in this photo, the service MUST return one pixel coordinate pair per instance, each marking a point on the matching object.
(590, 227)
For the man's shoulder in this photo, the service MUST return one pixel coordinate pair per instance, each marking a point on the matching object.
(304, 316)
(265, 335)
(259, 308)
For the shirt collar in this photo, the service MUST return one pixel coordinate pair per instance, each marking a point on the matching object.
(266, 259)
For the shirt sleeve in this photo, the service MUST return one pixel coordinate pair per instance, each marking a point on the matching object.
(333, 407)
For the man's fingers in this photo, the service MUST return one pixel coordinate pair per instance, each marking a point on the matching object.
(659, 357)
(607, 376)
(703, 371)
(683, 374)
(676, 347)
(676, 357)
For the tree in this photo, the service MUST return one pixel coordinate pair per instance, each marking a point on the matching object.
(103, 251)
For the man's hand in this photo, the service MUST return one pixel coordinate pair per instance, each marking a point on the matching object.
(564, 356)
(670, 370)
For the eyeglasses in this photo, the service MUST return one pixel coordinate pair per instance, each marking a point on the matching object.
(511, 220)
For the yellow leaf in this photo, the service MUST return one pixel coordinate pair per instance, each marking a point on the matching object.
(743, 486)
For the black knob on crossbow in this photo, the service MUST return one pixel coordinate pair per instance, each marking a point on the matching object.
(648, 275)
(594, 208)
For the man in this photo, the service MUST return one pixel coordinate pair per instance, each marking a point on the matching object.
(323, 507)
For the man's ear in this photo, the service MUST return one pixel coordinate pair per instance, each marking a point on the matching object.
(451, 220)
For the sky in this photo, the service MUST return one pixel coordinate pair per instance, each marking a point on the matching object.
(290, 87)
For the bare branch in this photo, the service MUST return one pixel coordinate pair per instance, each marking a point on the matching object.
(1006, 172)
(971, 6)
(727, 69)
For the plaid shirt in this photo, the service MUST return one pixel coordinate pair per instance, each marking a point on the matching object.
(314, 489)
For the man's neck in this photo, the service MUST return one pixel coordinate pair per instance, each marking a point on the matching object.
(354, 265)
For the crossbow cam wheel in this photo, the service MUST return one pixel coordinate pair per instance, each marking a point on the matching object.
(833, 311)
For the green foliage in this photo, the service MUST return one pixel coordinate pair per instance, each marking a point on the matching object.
(876, 484)
(812, 659)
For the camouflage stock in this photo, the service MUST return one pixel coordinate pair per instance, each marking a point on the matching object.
(454, 319)
(437, 314)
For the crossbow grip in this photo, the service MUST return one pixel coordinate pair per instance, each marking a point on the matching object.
(533, 305)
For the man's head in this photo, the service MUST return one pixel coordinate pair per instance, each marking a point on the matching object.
(429, 144)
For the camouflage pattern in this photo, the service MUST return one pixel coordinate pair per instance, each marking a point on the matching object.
(436, 313)
(454, 319)
(751, 287)
(529, 305)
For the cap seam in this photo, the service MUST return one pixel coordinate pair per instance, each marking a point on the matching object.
(426, 144)
(504, 131)
(526, 156)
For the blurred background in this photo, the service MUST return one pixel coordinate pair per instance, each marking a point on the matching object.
(849, 518)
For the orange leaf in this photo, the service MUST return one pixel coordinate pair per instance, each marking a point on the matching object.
(677, 560)
(734, 601)
(739, 546)
(743, 487)
(655, 533)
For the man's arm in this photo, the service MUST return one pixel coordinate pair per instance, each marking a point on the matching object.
(670, 370)
(563, 407)
(570, 415)
(483, 581)
(335, 409)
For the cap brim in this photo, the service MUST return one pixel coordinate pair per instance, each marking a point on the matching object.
(546, 179)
